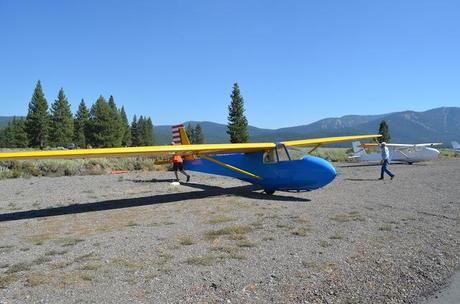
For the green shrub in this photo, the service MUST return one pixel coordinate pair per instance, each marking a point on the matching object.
(5, 173)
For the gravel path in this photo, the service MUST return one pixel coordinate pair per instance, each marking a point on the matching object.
(134, 238)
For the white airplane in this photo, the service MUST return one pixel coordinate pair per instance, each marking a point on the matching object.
(409, 153)
(456, 146)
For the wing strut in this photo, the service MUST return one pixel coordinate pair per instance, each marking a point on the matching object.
(314, 148)
(230, 167)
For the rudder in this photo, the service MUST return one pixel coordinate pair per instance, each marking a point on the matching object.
(357, 149)
(179, 135)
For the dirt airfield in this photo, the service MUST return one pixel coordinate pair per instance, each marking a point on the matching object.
(134, 238)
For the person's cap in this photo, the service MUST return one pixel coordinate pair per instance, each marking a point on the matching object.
(383, 143)
(173, 143)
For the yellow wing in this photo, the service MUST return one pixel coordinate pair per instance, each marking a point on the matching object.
(196, 149)
(326, 140)
(139, 151)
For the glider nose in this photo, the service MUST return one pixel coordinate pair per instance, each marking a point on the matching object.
(434, 153)
(328, 173)
(322, 172)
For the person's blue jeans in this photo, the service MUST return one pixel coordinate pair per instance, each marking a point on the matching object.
(385, 169)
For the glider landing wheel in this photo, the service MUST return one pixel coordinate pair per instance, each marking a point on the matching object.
(269, 191)
(410, 163)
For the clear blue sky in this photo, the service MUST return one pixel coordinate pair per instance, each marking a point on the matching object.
(295, 61)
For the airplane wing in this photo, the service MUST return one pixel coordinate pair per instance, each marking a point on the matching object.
(139, 151)
(326, 140)
(401, 146)
(194, 149)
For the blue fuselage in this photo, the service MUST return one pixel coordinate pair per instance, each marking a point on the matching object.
(308, 173)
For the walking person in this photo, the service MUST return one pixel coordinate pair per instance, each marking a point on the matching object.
(178, 165)
(385, 161)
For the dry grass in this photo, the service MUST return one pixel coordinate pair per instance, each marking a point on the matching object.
(18, 267)
(74, 279)
(41, 260)
(38, 239)
(164, 257)
(226, 249)
(206, 260)
(230, 230)
(323, 266)
(90, 267)
(86, 257)
(55, 252)
(35, 278)
(186, 240)
(6, 280)
(347, 217)
(127, 263)
(217, 219)
(301, 231)
(67, 242)
(324, 244)
(386, 227)
(336, 237)
(67, 167)
(60, 264)
(245, 244)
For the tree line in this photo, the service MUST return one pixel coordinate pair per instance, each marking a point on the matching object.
(103, 125)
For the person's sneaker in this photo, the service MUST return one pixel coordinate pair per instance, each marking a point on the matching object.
(381, 178)
(392, 177)
(188, 178)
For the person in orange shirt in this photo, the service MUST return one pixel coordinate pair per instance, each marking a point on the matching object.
(178, 165)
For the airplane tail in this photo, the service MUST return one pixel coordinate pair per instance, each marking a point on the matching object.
(179, 135)
(357, 149)
(455, 145)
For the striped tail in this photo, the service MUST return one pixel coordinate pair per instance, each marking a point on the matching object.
(179, 136)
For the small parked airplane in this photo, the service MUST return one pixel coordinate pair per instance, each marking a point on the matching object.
(272, 166)
(455, 146)
(409, 153)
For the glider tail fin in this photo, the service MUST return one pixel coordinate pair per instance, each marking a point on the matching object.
(179, 135)
(455, 145)
(357, 149)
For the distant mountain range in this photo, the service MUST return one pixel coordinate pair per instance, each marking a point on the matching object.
(435, 125)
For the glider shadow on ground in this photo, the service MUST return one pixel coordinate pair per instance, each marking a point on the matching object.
(208, 191)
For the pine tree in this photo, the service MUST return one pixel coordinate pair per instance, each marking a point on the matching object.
(14, 135)
(101, 130)
(126, 137)
(135, 132)
(198, 132)
(81, 125)
(20, 135)
(145, 131)
(8, 135)
(141, 131)
(150, 134)
(190, 131)
(62, 128)
(237, 126)
(38, 119)
(117, 125)
(2, 138)
(384, 131)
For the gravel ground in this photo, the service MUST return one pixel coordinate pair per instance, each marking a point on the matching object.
(134, 238)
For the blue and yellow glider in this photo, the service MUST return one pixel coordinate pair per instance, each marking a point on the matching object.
(272, 166)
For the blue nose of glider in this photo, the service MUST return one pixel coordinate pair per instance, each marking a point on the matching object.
(321, 171)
